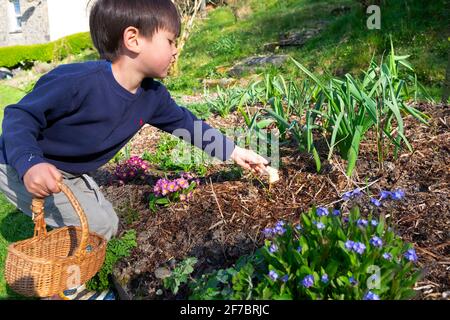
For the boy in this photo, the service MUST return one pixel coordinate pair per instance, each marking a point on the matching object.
(78, 116)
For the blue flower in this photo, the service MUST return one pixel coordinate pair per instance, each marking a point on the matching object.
(356, 192)
(285, 278)
(299, 249)
(398, 194)
(359, 247)
(324, 278)
(374, 222)
(279, 230)
(321, 211)
(371, 296)
(279, 223)
(411, 255)
(336, 212)
(273, 275)
(320, 225)
(308, 281)
(298, 227)
(362, 223)
(345, 219)
(349, 245)
(387, 256)
(376, 242)
(375, 202)
(268, 232)
(384, 194)
(353, 281)
(273, 248)
(347, 195)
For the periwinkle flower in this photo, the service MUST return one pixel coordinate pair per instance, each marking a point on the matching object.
(359, 247)
(308, 281)
(398, 194)
(376, 242)
(299, 249)
(324, 278)
(353, 281)
(375, 202)
(320, 225)
(345, 219)
(279, 230)
(374, 222)
(285, 278)
(356, 192)
(371, 296)
(387, 256)
(298, 227)
(385, 194)
(411, 255)
(268, 232)
(321, 211)
(273, 275)
(273, 248)
(347, 195)
(336, 212)
(362, 223)
(349, 245)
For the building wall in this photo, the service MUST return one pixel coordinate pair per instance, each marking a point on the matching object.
(34, 29)
(67, 17)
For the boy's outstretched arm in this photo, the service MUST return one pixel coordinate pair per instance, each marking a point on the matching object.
(249, 160)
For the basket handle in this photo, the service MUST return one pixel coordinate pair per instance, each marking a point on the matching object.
(37, 207)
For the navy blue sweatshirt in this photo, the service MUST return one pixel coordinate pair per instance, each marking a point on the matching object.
(78, 117)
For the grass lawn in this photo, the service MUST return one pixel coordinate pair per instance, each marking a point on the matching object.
(14, 226)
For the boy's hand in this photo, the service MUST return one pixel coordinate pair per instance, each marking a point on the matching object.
(41, 180)
(249, 160)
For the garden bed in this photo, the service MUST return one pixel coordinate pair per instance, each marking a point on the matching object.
(229, 210)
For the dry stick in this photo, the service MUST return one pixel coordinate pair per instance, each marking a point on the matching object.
(217, 201)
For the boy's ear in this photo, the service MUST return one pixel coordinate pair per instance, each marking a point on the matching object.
(131, 39)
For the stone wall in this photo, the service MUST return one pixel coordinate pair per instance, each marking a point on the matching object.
(35, 27)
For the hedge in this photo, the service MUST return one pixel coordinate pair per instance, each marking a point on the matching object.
(11, 57)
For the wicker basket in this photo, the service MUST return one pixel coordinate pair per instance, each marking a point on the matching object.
(52, 262)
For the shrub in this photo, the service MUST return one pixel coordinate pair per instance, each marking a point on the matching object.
(324, 257)
(24, 56)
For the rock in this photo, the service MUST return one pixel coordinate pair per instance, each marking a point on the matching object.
(162, 273)
(251, 63)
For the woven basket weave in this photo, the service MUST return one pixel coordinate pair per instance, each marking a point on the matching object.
(52, 262)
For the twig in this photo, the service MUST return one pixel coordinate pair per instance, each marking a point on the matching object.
(217, 201)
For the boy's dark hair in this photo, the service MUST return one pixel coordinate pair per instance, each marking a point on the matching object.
(109, 19)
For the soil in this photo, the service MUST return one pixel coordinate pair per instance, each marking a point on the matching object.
(229, 210)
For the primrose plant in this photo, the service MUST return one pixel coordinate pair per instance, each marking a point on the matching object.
(131, 169)
(168, 191)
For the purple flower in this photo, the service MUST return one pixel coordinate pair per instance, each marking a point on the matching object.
(384, 194)
(371, 296)
(356, 192)
(182, 183)
(376, 242)
(411, 255)
(279, 223)
(319, 225)
(321, 211)
(362, 223)
(299, 249)
(349, 245)
(279, 230)
(374, 222)
(359, 247)
(398, 194)
(347, 195)
(273, 248)
(308, 281)
(324, 278)
(387, 256)
(345, 219)
(273, 275)
(285, 278)
(298, 227)
(353, 281)
(336, 212)
(375, 202)
(267, 232)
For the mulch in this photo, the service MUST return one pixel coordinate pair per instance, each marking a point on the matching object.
(229, 210)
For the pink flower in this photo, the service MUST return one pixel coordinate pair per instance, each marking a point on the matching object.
(183, 197)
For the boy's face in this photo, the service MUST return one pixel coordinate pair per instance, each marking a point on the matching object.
(158, 53)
